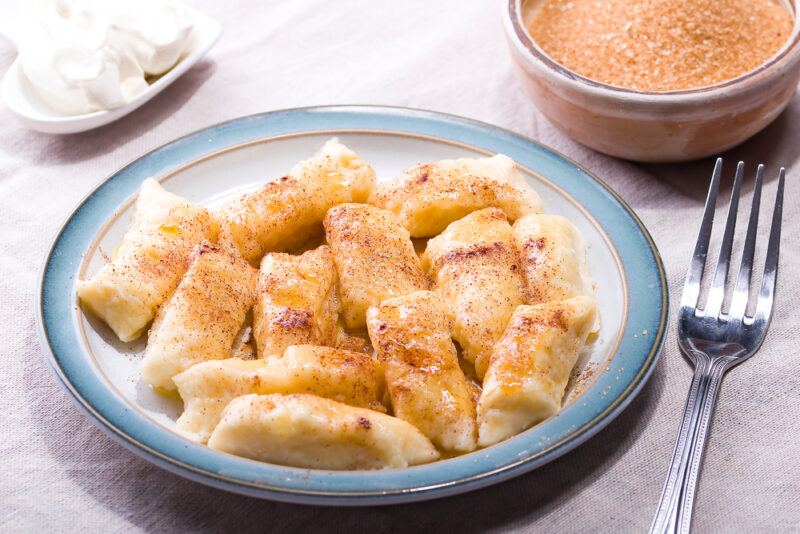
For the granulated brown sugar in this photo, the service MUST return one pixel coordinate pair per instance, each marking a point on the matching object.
(660, 45)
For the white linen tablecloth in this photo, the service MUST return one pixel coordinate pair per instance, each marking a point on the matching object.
(59, 472)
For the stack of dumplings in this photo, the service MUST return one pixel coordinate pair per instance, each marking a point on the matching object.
(301, 326)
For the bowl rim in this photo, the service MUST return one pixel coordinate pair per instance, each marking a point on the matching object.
(788, 55)
(628, 371)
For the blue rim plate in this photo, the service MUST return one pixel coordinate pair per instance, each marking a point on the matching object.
(628, 368)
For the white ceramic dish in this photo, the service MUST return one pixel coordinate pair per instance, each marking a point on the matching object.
(36, 115)
(221, 161)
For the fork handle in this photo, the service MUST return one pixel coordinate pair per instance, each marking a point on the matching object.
(674, 513)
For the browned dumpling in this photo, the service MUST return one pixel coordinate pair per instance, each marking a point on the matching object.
(530, 366)
(411, 336)
(297, 301)
(202, 318)
(374, 258)
(318, 433)
(428, 197)
(149, 262)
(353, 378)
(476, 271)
(287, 211)
(553, 258)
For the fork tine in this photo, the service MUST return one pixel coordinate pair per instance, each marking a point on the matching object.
(716, 294)
(691, 289)
(767, 295)
(741, 292)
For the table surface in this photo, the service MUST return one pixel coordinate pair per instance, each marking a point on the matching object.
(60, 471)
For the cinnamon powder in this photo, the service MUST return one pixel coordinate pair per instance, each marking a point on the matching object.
(660, 45)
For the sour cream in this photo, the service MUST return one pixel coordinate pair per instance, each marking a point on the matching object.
(82, 56)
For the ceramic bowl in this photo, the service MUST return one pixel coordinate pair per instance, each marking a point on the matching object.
(649, 126)
(20, 99)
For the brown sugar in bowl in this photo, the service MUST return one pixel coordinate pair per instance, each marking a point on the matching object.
(653, 126)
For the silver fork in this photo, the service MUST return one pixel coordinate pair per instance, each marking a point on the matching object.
(716, 341)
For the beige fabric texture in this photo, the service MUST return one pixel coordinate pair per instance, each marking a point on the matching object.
(61, 473)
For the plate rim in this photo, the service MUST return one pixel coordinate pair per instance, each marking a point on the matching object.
(369, 497)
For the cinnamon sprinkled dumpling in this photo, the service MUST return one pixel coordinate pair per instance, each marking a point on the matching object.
(353, 378)
(297, 301)
(202, 318)
(411, 336)
(374, 257)
(530, 366)
(317, 433)
(428, 197)
(553, 258)
(149, 262)
(287, 211)
(475, 267)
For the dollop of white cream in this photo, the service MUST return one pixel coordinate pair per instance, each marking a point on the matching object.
(82, 56)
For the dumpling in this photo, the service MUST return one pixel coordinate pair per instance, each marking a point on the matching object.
(428, 197)
(531, 365)
(202, 318)
(476, 271)
(297, 301)
(374, 258)
(553, 258)
(287, 211)
(149, 262)
(427, 388)
(338, 175)
(206, 388)
(317, 433)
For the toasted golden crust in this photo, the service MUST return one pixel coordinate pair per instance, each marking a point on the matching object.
(288, 210)
(553, 258)
(428, 197)
(374, 258)
(475, 267)
(297, 301)
(313, 432)
(202, 318)
(149, 262)
(353, 378)
(530, 366)
(411, 336)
